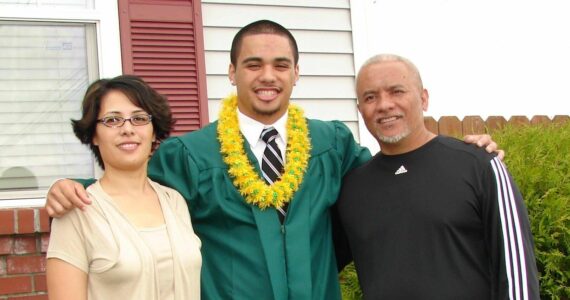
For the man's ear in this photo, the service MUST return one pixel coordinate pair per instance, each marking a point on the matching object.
(232, 74)
(425, 99)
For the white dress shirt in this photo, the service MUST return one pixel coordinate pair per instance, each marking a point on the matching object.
(251, 130)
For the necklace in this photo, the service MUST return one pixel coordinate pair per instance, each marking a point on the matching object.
(248, 182)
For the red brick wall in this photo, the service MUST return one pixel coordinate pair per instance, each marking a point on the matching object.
(24, 235)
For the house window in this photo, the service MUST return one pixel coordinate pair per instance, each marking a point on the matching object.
(45, 70)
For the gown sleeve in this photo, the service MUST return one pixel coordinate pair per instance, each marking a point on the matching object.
(352, 154)
(172, 165)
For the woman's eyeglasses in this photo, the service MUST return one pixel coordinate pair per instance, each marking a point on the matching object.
(116, 121)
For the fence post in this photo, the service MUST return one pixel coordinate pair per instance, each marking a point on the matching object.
(431, 124)
(519, 121)
(450, 126)
(540, 119)
(495, 123)
(559, 119)
(473, 125)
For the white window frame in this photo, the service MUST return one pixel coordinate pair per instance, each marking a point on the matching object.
(105, 15)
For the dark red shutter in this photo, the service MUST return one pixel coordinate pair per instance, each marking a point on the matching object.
(162, 42)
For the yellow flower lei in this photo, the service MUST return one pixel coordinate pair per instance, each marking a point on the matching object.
(250, 185)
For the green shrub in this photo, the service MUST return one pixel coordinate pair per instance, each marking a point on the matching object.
(538, 158)
(349, 286)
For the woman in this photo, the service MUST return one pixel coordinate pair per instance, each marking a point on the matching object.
(136, 240)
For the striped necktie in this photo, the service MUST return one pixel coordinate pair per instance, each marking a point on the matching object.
(272, 163)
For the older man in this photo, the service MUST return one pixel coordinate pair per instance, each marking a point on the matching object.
(430, 217)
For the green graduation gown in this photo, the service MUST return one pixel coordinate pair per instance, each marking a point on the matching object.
(247, 254)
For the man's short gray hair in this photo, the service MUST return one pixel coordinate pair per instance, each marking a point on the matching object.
(379, 58)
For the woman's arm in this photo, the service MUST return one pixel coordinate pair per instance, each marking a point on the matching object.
(65, 281)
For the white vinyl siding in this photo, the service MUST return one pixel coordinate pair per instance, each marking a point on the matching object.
(324, 37)
(288, 16)
(303, 3)
(308, 41)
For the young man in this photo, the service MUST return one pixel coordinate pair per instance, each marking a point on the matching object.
(254, 246)
(430, 217)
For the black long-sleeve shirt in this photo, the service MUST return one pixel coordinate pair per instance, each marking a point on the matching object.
(445, 221)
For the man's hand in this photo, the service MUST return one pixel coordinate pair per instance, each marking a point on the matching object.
(484, 140)
(63, 196)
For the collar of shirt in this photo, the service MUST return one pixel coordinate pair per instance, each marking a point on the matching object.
(251, 130)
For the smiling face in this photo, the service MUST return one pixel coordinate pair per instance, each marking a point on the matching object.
(391, 101)
(127, 147)
(264, 75)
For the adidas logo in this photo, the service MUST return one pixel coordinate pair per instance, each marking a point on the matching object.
(401, 170)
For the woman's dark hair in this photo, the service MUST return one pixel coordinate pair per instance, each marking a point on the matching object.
(262, 27)
(140, 94)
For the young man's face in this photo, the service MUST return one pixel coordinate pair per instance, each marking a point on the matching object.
(391, 101)
(264, 75)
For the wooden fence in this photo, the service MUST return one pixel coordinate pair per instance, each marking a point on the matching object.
(452, 126)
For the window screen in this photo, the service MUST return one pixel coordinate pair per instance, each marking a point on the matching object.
(45, 69)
